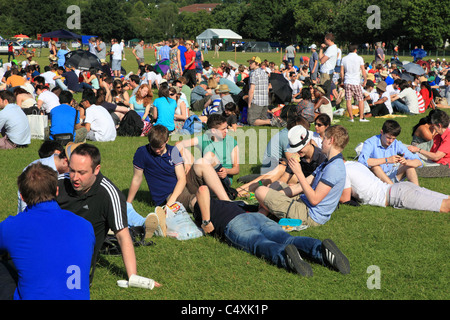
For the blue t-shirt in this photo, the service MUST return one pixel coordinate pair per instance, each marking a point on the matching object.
(138, 107)
(159, 171)
(166, 112)
(52, 251)
(63, 120)
(332, 173)
(182, 57)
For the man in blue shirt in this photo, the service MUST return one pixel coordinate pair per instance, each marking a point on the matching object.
(388, 158)
(13, 123)
(66, 119)
(169, 177)
(315, 197)
(51, 249)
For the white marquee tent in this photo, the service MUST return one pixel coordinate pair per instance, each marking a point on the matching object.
(214, 35)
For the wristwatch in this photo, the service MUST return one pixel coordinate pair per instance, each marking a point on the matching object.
(206, 222)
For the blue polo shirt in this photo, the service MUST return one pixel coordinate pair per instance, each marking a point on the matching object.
(159, 171)
(53, 264)
(332, 173)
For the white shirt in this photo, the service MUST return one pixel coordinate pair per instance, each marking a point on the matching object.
(296, 86)
(49, 100)
(151, 77)
(390, 89)
(352, 68)
(388, 101)
(48, 76)
(366, 187)
(330, 64)
(410, 97)
(101, 122)
(117, 49)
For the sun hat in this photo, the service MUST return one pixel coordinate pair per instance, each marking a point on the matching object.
(223, 88)
(382, 86)
(255, 59)
(298, 138)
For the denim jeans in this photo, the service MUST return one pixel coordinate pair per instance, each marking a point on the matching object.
(400, 107)
(254, 233)
(134, 218)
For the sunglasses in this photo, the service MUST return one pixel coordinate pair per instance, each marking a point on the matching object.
(319, 124)
(119, 87)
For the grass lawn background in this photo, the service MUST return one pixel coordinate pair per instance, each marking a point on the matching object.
(410, 248)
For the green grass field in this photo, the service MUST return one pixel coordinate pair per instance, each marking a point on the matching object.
(410, 248)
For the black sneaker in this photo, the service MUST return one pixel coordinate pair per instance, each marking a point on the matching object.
(296, 263)
(334, 258)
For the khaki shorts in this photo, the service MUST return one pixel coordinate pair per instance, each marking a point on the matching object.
(256, 112)
(193, 182)
(282, 206)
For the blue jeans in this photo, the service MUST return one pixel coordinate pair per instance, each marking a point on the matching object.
(134, 218)
(400, 107)
(254, 233)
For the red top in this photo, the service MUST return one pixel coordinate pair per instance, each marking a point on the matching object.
(441, 142)
(189, 55)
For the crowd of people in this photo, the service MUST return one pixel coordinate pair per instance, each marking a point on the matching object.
(303, 175)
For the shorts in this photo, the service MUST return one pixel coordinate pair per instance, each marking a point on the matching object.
(282, 206)
(256, 112)
(407, 195)
(116, 64)
(352, 90)
(193, 182)
(324, 77)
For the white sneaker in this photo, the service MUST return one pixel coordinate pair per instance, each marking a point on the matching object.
(364, 120)
(351, 120)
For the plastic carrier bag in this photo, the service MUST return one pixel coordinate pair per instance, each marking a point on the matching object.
(180, 224)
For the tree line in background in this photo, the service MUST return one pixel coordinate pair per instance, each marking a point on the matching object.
(403, 22)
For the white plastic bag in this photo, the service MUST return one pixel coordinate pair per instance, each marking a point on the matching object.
(180, 224)
(37, 123)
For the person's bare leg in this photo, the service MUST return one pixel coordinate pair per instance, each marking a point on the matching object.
(378, 171)
(349, 108)
(361, 109)
(445, 206)
(205, 171)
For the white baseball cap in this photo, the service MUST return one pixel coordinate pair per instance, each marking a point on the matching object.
(313, 46)
(298, 138)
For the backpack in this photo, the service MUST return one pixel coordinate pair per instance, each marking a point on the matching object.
(193, 124)
(111, 244)
(131, 125)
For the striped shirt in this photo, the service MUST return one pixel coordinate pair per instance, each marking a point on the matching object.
(421, 102)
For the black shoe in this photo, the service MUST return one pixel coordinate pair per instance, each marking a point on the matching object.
(296, 263)
(333, 257)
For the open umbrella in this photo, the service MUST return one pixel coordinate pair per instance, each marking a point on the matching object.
(83, 60)
(418, 53)
(414, 68)
(407, 77)
(280, 87)
(21, 36)
(162, 66)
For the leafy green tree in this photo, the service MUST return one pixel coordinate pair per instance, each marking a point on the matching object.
(426, 23)
(111, 23)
